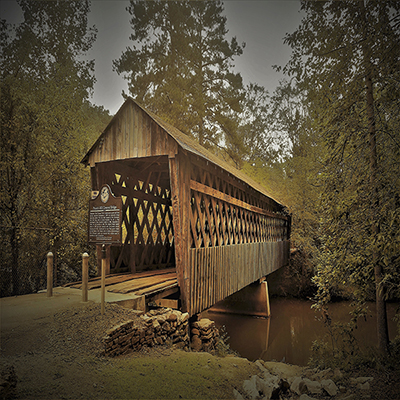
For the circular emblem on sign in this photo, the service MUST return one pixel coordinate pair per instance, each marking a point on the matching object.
(105, 194)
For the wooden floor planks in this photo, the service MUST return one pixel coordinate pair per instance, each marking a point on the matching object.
(142, 283)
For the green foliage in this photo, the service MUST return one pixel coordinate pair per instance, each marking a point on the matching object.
(340, 348)
(222, 348)
(44, 86)
(345, 61)
(290, 168)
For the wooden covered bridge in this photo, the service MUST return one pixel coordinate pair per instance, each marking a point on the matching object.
(185, 210)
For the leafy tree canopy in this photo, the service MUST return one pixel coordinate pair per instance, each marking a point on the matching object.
(180, 66)
(45, 84)
(345, 59)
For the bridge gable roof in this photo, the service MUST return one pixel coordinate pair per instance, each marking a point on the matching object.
(122, 124)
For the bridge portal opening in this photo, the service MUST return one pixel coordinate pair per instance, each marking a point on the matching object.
(147, 220)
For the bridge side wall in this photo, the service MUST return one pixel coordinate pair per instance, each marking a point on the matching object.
(217, 272)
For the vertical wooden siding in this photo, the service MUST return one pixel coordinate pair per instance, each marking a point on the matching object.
(132, 134)
(217, 272)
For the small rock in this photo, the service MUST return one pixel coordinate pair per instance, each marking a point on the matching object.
(298, 386)
(196, 343)
(205, 324)
(337, 374)
(329, 386)
(250, 387)
(364, 386)
(172, 318)
(269, 386)
(195, 332)
(351, 396)
(184, 317)
(306, 397)
(166, 326)
(261, 366)
(361, 379)
(313, 387)
(237, 395)
(156, 324)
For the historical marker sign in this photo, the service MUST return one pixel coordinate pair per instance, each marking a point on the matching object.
(105, 218)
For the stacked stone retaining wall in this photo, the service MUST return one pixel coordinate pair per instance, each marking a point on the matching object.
(154, 328)
(159, 327)
(204, 335)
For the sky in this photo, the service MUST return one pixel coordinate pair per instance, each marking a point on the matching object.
(261, 24)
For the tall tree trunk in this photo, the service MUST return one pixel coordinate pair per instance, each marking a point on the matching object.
(14, 242)
(381, 314)
(14, 220)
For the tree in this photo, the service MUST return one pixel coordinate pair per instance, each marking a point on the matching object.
(345, 56)
(45, 86)
(180, 67)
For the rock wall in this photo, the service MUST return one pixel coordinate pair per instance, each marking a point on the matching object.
(159, 327)
(204, 335)
(154, 328)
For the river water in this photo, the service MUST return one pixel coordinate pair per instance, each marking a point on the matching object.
(288, 334)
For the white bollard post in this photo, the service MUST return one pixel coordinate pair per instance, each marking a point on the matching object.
(49, 274)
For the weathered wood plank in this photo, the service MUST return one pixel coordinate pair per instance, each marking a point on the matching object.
(140, 283)
(156, 287)
(112, 279)
(167, 303)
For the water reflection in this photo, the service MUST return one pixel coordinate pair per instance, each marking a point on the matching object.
(293, 326)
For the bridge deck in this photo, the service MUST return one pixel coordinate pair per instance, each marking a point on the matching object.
(149, 284)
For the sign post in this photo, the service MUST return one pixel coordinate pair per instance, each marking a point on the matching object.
(105, 227)
(103, 278)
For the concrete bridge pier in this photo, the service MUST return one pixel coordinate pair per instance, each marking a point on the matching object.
(252, 300)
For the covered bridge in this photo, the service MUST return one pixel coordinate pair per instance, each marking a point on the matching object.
(184, 208)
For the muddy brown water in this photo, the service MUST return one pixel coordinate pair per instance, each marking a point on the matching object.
(288, 335)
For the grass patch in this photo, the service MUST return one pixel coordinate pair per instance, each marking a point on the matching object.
(181, 374)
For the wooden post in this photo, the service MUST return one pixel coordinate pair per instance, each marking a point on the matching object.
(179, 169)
(85, 276)
(103, 278)
(49, 274)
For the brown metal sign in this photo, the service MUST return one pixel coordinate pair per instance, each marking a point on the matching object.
(105, 218)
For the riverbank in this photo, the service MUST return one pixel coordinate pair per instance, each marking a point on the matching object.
(57, 354)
